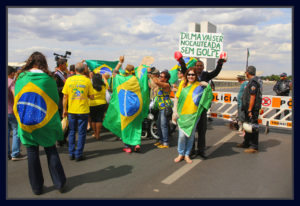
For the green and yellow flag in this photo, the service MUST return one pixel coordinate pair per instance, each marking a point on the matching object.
(192, 101)
(142, 75)
(141, 70)
(36, 110)
(127, 108)
(189, 62)
(100, 66)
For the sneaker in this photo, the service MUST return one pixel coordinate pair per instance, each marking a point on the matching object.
(80, 158)
(72, 157)
(242, 145)
(62, 189)
(137, 148)
(163, 146)
(202, 155)
(157, 144)
(251, 150)
(37, 192)
(19, 157)
(127, 150)
(193, 154)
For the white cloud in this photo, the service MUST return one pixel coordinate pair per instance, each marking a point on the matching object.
(107, 33)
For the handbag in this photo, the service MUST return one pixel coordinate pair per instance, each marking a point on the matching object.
(168, 109)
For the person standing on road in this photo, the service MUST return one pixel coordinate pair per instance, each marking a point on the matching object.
(251, 104)
(127, 104)
(77, 91)
(163, 98)
(12, 121)
(60, 76)
(36, 109)
(282, 88)
(202, 124)
(241, 115)
(192, 101)
(98, 105)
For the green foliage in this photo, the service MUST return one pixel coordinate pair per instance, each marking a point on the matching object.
(274, 77)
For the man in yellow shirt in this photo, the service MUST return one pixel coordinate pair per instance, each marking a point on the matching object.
(77, 90)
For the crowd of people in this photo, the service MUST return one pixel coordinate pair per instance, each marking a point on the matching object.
(39, 99)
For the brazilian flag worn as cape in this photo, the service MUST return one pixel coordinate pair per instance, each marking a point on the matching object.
(36, 110)
(192, 101)
(189, 62)
(127, 108)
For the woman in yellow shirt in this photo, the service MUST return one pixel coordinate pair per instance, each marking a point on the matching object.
(98, 105)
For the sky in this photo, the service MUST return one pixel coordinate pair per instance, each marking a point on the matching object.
(107, 33)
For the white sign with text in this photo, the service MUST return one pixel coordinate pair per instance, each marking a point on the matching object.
(206, 45)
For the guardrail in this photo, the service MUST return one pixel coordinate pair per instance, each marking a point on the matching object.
(276, 111)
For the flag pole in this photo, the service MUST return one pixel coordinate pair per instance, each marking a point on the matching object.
(247, 58)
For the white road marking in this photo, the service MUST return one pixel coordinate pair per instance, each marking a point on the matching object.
(187, 167)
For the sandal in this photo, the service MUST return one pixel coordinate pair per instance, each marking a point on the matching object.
(178, 159)
(187, 159)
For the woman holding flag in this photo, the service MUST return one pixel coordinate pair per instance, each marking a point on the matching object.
(193, 98)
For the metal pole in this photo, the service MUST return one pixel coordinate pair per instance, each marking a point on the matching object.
(247, 58)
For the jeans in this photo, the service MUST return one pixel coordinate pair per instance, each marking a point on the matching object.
(35, 172)
(13, 125)
(185, 143)
(162, 126)
(81, 120)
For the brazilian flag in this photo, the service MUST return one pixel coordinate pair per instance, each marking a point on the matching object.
(189, 62)
(192, 101)
(141, 70)
(127, 108)
(100, 66)
(36, 110)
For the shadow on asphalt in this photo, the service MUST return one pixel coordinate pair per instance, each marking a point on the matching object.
(96, 176)
(228, 148)
(103, 152)
(264, 145)
(92, 177)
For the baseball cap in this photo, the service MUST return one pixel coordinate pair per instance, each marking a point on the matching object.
(156, 71)
(251, 70)
(241, 75)
(283, 74)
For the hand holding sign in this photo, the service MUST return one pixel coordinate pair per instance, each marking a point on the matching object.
(223, 56)
(177, 55)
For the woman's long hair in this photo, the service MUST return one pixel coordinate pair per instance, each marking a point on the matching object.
(36, 59)
(186, 73)
(98, 82)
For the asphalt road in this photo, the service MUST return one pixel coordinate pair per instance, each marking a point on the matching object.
(228, 173)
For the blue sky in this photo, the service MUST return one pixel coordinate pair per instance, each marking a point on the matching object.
(107, 33)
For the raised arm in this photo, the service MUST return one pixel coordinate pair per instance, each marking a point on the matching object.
(116, 70)
(214, 73)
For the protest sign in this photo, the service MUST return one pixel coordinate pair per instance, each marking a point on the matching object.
(206, 45)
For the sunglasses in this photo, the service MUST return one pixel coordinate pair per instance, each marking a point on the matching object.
(161, 76)
(191, 75)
